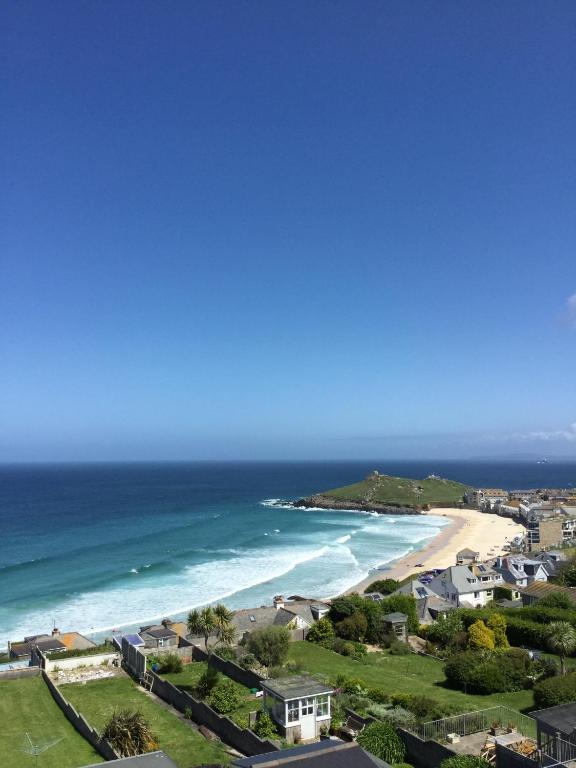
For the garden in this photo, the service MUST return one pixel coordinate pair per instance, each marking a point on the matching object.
(27, 707)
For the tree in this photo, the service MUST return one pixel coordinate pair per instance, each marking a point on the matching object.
(225, 696)
(384, 586)
(480, 637)
(381, 740)
(561, 641)
(270, 645)
(129, 733)
(321, 631)
(556, 600)
(497, 623)
(215, 621)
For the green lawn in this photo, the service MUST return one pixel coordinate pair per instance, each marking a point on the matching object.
(27, 706)
(406, 674)
(97, 700)
(188, 679)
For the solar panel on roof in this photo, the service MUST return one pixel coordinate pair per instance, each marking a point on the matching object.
(134, 639)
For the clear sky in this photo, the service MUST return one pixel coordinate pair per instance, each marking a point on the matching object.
(287, 229)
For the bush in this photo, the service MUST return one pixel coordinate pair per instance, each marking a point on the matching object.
(384, 586)
(264, 727)
(480, 637)
(445, 629)
(398, 648)
(226, 653)
(465, 761)
(398, 716)
(382, 741)
(207, 681)
(321, 631)
(352, 627)
(497, 623)
(348, 648)
(249, 661)
(555, 690)
(270, 645)
(489, 672)
(225, 697)
(556, 600)
(166, 662)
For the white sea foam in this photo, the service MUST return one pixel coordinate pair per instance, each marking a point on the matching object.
(344, 539)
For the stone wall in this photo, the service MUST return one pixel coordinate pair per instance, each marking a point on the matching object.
(242, 739)
(96, 660)
(80, 724)
(423, 754)
(11, 674)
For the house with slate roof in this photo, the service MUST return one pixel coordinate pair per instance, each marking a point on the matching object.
(468, 586)
(519, 571)
(298, 613)
(157, 759)
(159, 636)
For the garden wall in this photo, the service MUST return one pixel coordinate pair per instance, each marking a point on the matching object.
(96, 660)
(242, 739)
(229, 668)
(80, 724)
(11, 674)
(423, 754)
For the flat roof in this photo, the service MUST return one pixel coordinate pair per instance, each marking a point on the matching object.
(332, 753)
(150, 760)
(562, 718)
(295, 687)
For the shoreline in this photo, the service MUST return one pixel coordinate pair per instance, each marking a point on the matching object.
(482, 532)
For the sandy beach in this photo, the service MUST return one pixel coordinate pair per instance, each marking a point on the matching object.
(482, 532)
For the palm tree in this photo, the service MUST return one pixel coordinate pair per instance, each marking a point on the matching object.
(562, 641)
(212, 621)
(129, 733)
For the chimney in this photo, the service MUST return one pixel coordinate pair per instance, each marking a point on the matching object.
(55, 632)
(278, 602)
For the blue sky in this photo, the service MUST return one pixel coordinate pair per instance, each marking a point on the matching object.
(287, 230)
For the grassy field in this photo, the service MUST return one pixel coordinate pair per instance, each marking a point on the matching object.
(400, 491)
(27, 706)
(97, 700)
(187, 680)
(407, 674)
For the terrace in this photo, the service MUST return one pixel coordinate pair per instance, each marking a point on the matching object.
(479, 733)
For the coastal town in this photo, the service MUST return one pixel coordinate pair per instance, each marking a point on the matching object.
(460, 650)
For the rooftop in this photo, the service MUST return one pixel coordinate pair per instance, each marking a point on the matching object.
(296, 687)
(323, 754)
(150, 760)
(561, 718)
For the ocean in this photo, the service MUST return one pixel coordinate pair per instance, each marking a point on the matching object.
(106, 546)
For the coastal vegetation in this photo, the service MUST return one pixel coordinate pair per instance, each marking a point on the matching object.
(378, 490)
(214, 624)
(129, 733)
(382, 741)
(270, 645)
(26, 706)
(97, 700)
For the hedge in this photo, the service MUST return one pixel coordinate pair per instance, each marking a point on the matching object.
(554, 691)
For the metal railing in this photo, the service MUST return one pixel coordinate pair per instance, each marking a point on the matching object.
(475, 722)
(558, 751)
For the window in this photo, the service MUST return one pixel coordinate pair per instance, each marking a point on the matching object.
(160, 642)
(322, 706)
(293, 712)
(307, 707)
(476, 594)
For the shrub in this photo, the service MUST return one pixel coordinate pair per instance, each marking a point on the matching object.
(264, 727)
(398, 648)
(378, 695)
(350, 684)
(129, 733)
(445, 629)
(489, 672)
(207, 681)
(226, 653)
(382, 741)
(398, 716)
(556, 600)
(168, 662)
(480, 636)
(465, 761)
(384, 586)
(225, 697)
(352, 627)
(402, 765)
(555, 690)
(249, 661)
(348, 648)
(497, 623)
(321, 631)
(270, 645)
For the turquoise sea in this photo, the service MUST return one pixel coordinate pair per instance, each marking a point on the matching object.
(102, 546)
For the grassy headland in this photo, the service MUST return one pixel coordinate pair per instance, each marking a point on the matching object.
(384, 493)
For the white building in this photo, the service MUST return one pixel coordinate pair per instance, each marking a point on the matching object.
(299, 705)
(467, 585)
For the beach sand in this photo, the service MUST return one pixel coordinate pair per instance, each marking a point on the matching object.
(482, 532)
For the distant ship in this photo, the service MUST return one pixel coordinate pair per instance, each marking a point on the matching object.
(544, 460)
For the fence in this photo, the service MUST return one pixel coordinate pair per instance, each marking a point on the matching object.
(80, 724)
(242, 739)
(474, 722)
(557, 750)
(423, 754)
(11, 674)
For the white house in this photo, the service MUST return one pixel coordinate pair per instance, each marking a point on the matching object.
(299, 705)
(467, 585)
(520, 571)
